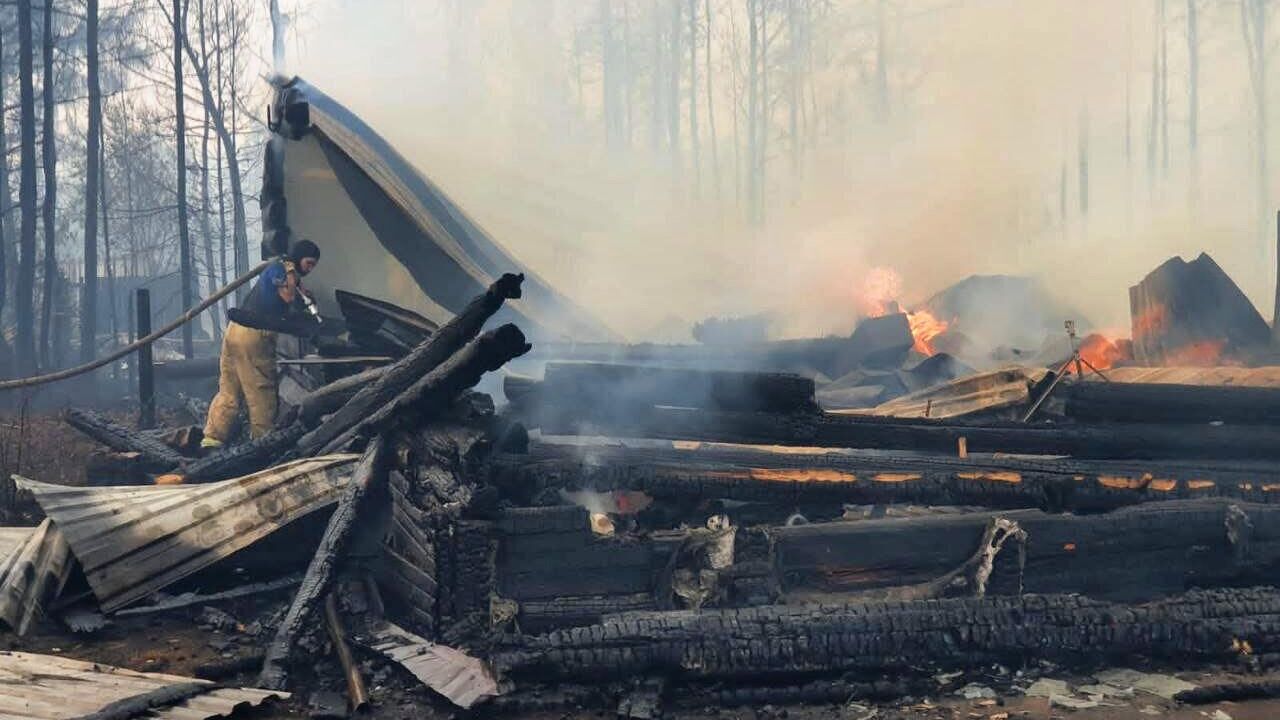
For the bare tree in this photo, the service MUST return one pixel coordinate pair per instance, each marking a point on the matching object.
(49, 145)
(609, 80)
(711, 103)
(26, 350)
(753, 110)
(1253, 25)
(1082, 147)
(180, 134)
(93, 155)
(1193, 98)
(657, 78)
(1153, 140)
(218, 108)
(694, 149)
(674, 63)
(206, 231)
(6, 205)
(882, 61)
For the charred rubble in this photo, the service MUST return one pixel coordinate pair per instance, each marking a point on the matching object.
(753, 547)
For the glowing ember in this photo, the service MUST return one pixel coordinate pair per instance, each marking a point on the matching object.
(1100, 352)
(925, 328)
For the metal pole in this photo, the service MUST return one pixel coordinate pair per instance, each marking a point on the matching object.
(146, 366)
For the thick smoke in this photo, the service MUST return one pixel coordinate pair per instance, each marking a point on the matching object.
(988, 103)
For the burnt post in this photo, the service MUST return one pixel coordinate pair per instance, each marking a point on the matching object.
(146, 367)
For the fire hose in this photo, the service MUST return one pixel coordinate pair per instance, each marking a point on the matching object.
(185, 318)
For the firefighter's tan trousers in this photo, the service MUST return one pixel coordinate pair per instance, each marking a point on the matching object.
(246, 369)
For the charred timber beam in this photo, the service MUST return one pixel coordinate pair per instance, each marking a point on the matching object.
(147, 702)
(1119, 440)
(245, 458)
(1131, 554)
(329, 398)
(804, 640)
(367, 482)
(430, 394)
(819, 692)
(421, 361)
(633, 385)
(539, 615)
(1170, 403)
(756, 475)
(153, 453)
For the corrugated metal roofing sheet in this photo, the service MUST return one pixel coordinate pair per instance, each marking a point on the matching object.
(12, 538)
(32, 573)
(1226, 375)
(133, 541)
(993, 390)
(47, 687)
(463, 679)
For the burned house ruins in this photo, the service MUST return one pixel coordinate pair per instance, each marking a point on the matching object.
(643, 528)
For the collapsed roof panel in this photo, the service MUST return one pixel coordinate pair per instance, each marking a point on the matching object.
(36, 564)
(385, 229)
(133, 541)
(45, 687)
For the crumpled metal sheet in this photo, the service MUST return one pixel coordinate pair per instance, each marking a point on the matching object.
(463, 679)
(32, 572)
(132, 541)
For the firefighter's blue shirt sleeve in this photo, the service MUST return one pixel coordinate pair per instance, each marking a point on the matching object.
(265, 298)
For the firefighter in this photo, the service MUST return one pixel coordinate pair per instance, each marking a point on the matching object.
(247, 368)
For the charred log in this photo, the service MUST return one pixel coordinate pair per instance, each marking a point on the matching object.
(105, 469)
(147, 702)
(429, 395)
(245, 458)
(153, 454)
(368, 480)
(559, 612)
(1230, 692)
(1128, 555)
(803, 640)
(829, 479)
(1161, 403)
(819, 692)
(332, 396)
(417, 364)
(583, 384)
(1120, 440)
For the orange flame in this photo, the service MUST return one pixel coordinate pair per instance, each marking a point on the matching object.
(925, 328)
(1100, 352)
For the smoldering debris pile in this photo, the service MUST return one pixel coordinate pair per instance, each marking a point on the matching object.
(636, 536)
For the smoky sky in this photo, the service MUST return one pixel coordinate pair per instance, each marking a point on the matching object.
(993, 107)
